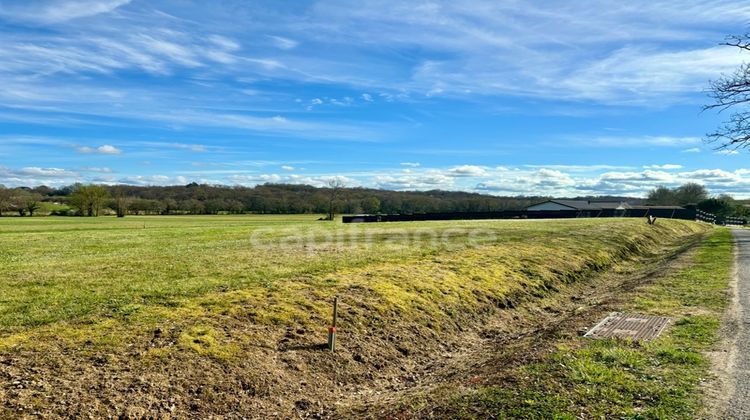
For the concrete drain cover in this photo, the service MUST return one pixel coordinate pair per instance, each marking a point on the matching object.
(632, 326)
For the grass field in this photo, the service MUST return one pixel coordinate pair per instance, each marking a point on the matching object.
(225, 314)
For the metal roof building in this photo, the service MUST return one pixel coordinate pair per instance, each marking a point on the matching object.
(590, 205)
(578, 205)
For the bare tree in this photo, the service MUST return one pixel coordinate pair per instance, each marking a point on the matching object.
(733, 91)
(120, 202)
(6, 199)
(689, 193)
(89, 199)
(334, 186)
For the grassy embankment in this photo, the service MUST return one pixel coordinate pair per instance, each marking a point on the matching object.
(620, 379)
(199, 293)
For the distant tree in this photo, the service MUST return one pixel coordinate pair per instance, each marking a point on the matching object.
(32, 205)
(146, 206)
(120, 202)
(371, 205)
(6, 196)
(733, 91)
(169, 205)
(661, 196)
(23, 201)
(334, 186)
(690, 193)
(89, 200)
(723, 205)
(234, 206)
(214, 205)
(740, 210)
(276, 198)
(193, 206)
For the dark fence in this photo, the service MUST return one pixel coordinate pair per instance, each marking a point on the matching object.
(684, 214)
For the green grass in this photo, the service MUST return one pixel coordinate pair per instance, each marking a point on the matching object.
(70, 273)
(620, 379)
(206, 305)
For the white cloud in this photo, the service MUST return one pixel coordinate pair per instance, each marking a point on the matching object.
(198, 148)
(367, 97)
(640, 53)
(282, 42)
(501, 180)
(514, 181)
(635, 74)
(33, 176)
(639, 141)
(37, 172)
(712, 175)
(101, 170)
(288, 167)
(316, 181)
(106, 149)
(410, 164)
(152, 180)
(692, 150)
(666, 166)
(579, 168)
(467, 171)
(645, 176)
(54, 11)
(225, 43)
(424, 181)
(728, 152)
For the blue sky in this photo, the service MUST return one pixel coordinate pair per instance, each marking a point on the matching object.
(511, 97)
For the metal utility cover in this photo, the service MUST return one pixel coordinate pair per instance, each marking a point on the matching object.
(633, 326)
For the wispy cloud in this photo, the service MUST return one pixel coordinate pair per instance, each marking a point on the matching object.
(421, 81)
(638, 141)
(283, 43)
(666, 166)
(106, 149)
(51, 11)
(96, 169)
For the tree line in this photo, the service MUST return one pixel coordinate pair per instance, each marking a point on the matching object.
(94, 200)
(122, 200)
(692, 194)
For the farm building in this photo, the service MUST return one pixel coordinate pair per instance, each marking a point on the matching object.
(588, 205)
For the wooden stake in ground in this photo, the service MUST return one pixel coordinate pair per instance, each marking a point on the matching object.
(332, 328)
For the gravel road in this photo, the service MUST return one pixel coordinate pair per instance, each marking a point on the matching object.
(739, 369)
